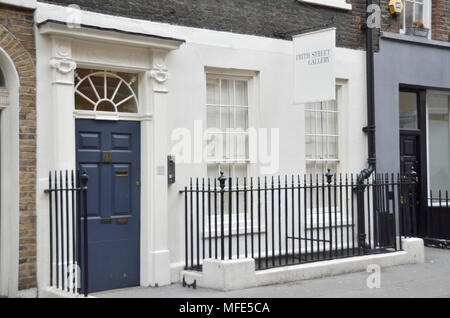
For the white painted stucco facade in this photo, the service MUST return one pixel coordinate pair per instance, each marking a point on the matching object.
(165, 105)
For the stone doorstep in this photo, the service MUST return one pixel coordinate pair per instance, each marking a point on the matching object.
(241, 274)
(52, 292)
(27, 293)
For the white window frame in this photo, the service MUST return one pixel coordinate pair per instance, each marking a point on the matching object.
(252, 78)
(101, 96)
(339, 106)
(432, 92)
(341, 102)
(339, 4)
(427, 9)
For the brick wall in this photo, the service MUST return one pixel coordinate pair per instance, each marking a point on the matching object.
(257, 17)
(17, 39)
(440, 19)
(440, 16)
(388, 22)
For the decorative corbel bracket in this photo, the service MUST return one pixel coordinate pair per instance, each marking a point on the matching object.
(62, 62)
(63, 66)
(159, 72)
(160, 76)
(63, 71)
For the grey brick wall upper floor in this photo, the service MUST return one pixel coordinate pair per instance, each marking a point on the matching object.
(269, 18)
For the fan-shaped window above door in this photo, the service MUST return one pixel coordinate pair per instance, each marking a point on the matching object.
(103, 91)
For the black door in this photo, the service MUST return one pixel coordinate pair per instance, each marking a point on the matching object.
(413, 159)
(410, 173)
(426, 214)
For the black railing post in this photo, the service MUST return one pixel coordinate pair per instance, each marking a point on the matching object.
(245, 217)
(215, 220)
(361, 218)
(84, 182)
(329, 176)
(222, 181)
(74, 235)
(67, 233)
(209, 219)
(186, 231)
(191, 221)
(230, 219)
(56, 228)
(61, 221)
(259, 221)
(79, 231)
(197, 208)
(414, 185)
(51, 226)
(237, 218)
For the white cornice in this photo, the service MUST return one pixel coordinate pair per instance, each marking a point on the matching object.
(338, 4)
(97, 34)
(28, 4)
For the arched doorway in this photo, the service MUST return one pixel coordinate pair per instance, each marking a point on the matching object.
(9, 176)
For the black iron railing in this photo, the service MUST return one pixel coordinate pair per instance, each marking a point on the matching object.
(282, 221)
(409, 208)
(68, 231)
(438, 219)
(439, 199)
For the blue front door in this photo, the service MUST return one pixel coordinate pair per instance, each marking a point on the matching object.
(110, 153)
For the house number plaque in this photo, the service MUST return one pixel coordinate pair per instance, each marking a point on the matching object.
(106, 156)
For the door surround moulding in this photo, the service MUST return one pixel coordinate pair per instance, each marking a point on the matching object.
(98, 34)
(153, 74)
(9, 178)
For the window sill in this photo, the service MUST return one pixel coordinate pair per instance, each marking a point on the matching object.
(413, 39)
(338, 4)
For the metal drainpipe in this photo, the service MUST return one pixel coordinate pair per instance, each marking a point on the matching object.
(370, 130)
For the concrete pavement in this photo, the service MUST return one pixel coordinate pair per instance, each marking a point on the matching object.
(431, 279)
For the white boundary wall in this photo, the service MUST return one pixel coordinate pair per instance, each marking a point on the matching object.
(241, 274)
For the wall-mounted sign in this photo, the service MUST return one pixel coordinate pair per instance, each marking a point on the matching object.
(396, 7)
(314, 74)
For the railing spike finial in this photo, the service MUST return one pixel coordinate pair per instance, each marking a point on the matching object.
(329, 176)
(84, 178)
(222, 179)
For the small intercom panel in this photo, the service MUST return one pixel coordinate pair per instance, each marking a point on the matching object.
(171, 169)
